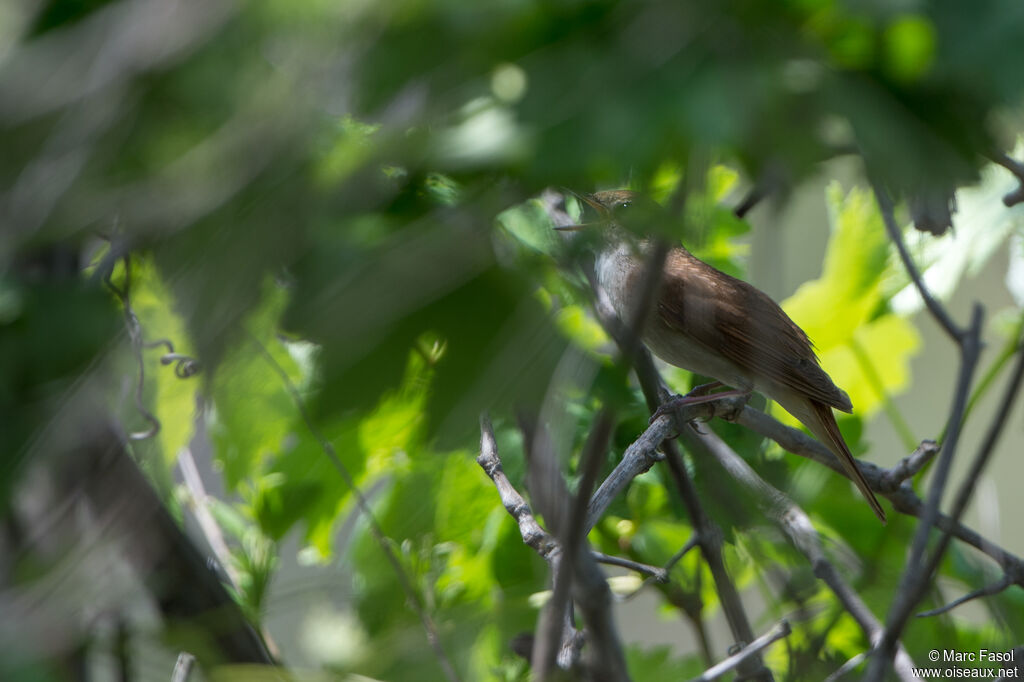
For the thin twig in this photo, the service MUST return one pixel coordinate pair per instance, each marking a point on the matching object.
(414, 597)
(1015, 196)
(641, 456)
(918, 572)
(986, 591)
(981, 460)
(656, 572)
(571, 536)
(667, 568)
(780, 630)
(890, 483)
(847, 667)
(585, 583)
(752, 198)
(183, 667)
(795, 523)
(909, 466)
(937, 310)
(201, 509)
(683, 551)
(533, 535)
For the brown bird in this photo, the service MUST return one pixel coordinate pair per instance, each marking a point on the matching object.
(718, 326)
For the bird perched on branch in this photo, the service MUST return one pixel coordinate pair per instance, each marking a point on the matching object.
(718, 326)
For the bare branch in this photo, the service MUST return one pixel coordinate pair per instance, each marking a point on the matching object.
(917, 575)
(981, 459)
(889, 483)
(533, 535)
(200, 507)
(667, 568)
(1018, 656)
(572, 534)
(642, 453)
(778, 632)
(986, 591)
(847, 667)
(934, 307)
(798, 527)
(1015, 196)
(752, 198)
(909, 466)
(183, 667)
(659, 574)
(579, 576)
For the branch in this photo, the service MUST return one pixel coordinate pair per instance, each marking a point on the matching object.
(918, 572)
(201, 510)
(986, 591)
(667, 568)
(847, 667)
(1015, 196)
(575, 571)
(641, 455)
(934, 307)
(708, 534)
(890, 483)
(778, 632)
(183, 667)
(533, 536)
(656, 572)
(795, 523)
(981, 459)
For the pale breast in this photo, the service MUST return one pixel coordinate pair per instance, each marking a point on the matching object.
(618, 271)
(619, 276)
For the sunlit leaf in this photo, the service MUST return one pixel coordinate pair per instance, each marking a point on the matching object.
(174, 397)
(980, 228)
(252, 411)
(866, 355)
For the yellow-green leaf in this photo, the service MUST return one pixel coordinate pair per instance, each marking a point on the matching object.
(865, 350)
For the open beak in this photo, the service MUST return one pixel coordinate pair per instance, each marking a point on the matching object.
(590, 201)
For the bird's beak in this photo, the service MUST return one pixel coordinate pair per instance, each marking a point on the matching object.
(590, 201)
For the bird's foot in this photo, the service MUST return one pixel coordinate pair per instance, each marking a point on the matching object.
(700, 394)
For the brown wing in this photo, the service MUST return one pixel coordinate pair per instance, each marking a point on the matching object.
(731, 317)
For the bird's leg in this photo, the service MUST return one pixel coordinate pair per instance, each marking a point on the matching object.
(703, 389)
(697, 396)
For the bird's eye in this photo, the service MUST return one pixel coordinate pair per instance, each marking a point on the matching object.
(625, 204)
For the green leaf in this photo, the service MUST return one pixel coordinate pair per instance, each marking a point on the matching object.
(302, 483)
(980, 228)
(866, 351)
(909, 44)
(173, 397)
(531, 225)
(251, 410)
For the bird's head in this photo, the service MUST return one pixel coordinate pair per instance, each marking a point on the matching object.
(615, 208)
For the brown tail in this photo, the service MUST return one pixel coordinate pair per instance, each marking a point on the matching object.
(827, 431)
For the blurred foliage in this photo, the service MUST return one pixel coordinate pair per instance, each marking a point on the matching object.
(342, 202)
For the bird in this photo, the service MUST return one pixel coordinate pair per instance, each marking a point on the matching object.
(715, 325)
